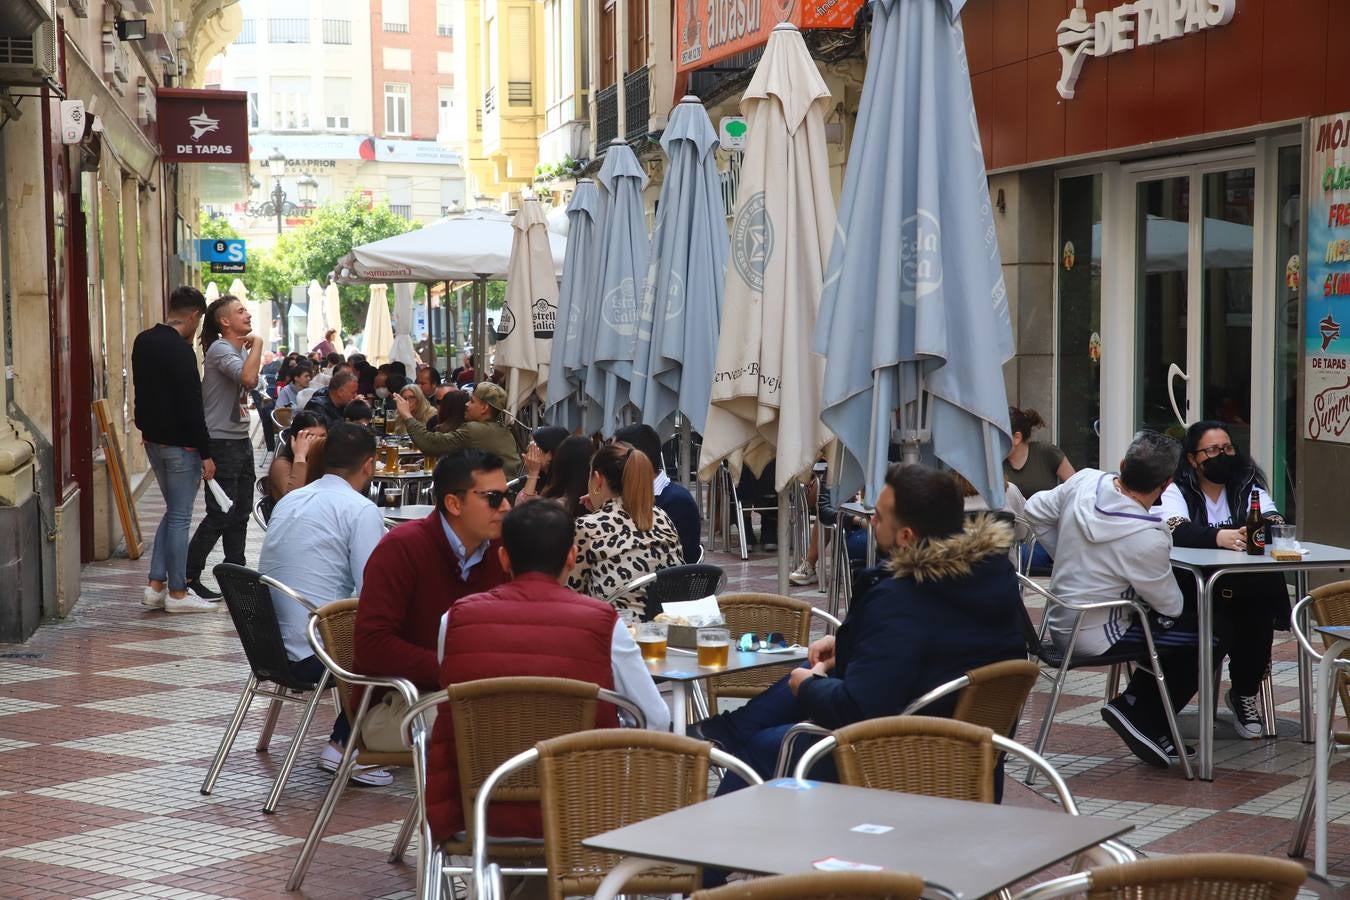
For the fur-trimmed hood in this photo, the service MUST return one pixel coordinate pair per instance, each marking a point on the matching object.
(955, 556)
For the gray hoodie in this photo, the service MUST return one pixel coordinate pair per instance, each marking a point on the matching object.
(1106, 547)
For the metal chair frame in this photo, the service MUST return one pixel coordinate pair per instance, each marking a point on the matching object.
(278, 695)
(258, 518)
(408, 692)
(529, 757)
(1070, 662)
(643, 581)
(417, 735)
(1083, 882)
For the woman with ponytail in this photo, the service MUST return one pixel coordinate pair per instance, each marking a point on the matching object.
(626, 536)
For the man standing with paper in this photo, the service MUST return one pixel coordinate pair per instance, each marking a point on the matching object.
(230, 373)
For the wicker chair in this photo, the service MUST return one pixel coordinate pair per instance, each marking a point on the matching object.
(761, 614)
(821, 886)
(596, 781)
(332, 637)
(674, 583)
(1202, 876)
(496, 719)
(255, 619)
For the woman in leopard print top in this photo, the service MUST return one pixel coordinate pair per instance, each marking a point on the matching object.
(627, 536)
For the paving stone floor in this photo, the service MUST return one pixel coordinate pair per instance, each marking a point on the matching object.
(109, 719)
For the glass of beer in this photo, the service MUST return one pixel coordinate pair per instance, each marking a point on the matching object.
(428, 462)
(714, 647)
(651, 640)
(393, 497)
(391, 458)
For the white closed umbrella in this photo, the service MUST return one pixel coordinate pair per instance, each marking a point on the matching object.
(314, 324)
(403, 350)
(260, 310)
(212, 293)
(529, 314)
(379, 331)
(332, 311)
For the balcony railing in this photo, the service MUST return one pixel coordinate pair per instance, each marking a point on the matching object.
(519, 93)
(478, 119)
(288, 31)
(445, 30)
(248, 34)
(637, 103)
(399, 27)
(606, 116)
(337, 31)
(402, 210)
(490, 100)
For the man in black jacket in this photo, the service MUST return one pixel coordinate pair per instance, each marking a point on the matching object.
(171, 417)
(946, 602)
(329, 402)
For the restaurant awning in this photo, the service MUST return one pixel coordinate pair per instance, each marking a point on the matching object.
(707, 31)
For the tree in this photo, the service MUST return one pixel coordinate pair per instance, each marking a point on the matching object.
(216, 228)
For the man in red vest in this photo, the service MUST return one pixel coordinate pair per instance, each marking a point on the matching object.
(416, 572)
(531, 626)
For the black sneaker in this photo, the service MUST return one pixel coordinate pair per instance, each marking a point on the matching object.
(699, 732)
(202, 591)
(1136, 738)
(1246, 714)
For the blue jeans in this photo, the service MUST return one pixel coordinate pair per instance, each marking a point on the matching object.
(178, 471)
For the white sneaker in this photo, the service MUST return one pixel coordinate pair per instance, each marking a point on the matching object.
(805, 574)
(190, 603)
(153, 599)
(371, 776)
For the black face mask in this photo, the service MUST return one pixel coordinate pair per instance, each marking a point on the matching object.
(1221, 469)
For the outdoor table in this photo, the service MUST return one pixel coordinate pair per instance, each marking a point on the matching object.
(1327, 670)
(411, 483)
(408, 513)
(682, 670)
(1208, 566)
(788, 827)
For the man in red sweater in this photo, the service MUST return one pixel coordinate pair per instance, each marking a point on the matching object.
(531, 626)
(416, 572)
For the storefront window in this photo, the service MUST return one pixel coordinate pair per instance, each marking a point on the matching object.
(1080, 316)
(1288, 354)
(1226, 329)
(1163, 214)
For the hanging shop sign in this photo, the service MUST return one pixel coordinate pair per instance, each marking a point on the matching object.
(1131, 25)
(202, 126)
(1326, 280)
(711, 30)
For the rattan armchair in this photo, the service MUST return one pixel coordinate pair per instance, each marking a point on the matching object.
(760, 614)
(255, 620)
(1202, 876)
(332, 637)
(821, 886)
(495, 720)
(596, 781)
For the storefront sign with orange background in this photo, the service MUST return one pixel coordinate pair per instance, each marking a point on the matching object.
(709, 30)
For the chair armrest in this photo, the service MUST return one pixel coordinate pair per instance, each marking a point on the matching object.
(278, 586)
(735, 764)
(1064, 886)
(405, 687)
(1298, 629)
(415, 714)
(634, 585)
(789, 741)
(625, 704)
(1028, 584)
(831, 622)
(937, 693)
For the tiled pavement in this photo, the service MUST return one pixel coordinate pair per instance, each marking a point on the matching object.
(109, 719)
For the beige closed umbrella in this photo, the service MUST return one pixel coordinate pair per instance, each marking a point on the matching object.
(525, 330)
(379, 340)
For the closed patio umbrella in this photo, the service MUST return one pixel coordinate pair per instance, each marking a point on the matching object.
(260, 310)
(914, 316)
(379, 333)
(314, 323)
(402, 349)
(332, 310)
(525, 329)
(580, 274)
(682, 297)
(212, 293)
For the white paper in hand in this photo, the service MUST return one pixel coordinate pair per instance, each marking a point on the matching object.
(222, 498)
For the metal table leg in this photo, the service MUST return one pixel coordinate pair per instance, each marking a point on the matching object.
(679, 706)
(1305, 673)
(1204, 588)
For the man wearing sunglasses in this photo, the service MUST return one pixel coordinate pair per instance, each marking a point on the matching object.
(417, 571)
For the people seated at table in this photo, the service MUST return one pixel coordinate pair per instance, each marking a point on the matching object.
(301, 374)
(417, 571)
(626, 536)
(947, 601)
(531, 626)
(295, 460)
(330, 401)
(428, 379)
(317, 543)
(1034, 466)
(449, 410)
(358, 412)
(465, 374)
(1206, 506)
(1108, 545)
(421, 410)
(569, 481)
(483, 428)
(821, 504)
(674, 498)
(537, 462)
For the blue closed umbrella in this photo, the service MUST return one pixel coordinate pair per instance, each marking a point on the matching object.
(580, 274)
(914, 314)
(611, 333)
(682, 297)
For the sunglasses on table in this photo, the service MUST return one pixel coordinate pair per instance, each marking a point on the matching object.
(750, 642)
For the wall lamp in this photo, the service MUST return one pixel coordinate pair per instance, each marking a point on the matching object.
(131, 29)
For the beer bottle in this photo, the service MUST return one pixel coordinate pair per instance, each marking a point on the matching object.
(377, 420)
(1256, 530)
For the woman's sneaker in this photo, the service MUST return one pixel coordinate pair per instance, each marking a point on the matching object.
(804, 575)
(188, 603)
(153, 599)
(371, 776)
(1246, 715)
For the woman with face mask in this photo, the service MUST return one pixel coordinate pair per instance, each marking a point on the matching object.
(1205, 507)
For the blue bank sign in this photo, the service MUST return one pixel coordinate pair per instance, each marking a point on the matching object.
(224, 255)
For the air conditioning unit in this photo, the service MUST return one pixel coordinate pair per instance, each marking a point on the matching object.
(30, 60)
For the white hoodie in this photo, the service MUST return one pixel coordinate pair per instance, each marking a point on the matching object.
(1106, 547)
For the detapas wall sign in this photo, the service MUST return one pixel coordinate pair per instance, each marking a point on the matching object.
(1128, 26)
(203, 126)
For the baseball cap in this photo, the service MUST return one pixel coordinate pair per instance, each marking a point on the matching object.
(492, 394)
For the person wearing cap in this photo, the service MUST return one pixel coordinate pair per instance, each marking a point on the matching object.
(483, 428)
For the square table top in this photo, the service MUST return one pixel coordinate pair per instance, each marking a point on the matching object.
(678, 666)
(786, 826)
(1321, 556)
(407, 512)
(1335, 632)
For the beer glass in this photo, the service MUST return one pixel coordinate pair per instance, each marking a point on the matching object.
(651, 640)
(391, 458)
(393, 497)
(714, 647)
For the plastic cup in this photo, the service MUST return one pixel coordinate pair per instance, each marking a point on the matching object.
(393, 497)
(714, 647)
(651, 640)
(1283, 542)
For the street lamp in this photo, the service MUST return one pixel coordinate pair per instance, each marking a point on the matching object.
(276, 165)
(309, 185)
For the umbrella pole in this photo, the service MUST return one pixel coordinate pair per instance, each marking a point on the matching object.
(784, 533)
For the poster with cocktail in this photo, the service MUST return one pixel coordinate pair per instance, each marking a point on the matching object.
(1326, 282)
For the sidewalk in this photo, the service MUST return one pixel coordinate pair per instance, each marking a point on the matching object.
(109, 719)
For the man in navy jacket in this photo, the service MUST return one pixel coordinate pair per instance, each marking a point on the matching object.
(946, 601)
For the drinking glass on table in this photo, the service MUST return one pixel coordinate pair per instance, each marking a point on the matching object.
(393, 497)
(1284, 542)
(651, 640)
(714, 647)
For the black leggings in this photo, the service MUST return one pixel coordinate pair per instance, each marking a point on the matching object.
(1245, 629)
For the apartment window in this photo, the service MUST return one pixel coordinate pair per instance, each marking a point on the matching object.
(445, 19)
(395, 15)
(452, 195)
(290, 103)
(398, 59)
(607, 73)
(400, 195)
(337, 103)
(337, 31)
(445, 109)
(520, 75)
(248, 33)
(250, 87)
(396, 102)
(288, 31)
(445, 62)
(637, 34)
